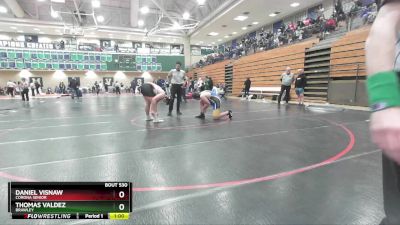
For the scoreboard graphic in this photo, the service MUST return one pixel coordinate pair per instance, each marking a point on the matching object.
(70, 200)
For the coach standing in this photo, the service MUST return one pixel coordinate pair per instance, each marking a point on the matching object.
(176, 78)
(287, 79)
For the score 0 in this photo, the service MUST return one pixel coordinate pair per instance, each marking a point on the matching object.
(121, 193)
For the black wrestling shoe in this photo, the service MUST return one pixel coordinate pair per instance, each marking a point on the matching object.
(201, 116)
(169, 114)
(230, 114)
(179, 113)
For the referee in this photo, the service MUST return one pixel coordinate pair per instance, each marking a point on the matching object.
(383, 67)
(177, 78)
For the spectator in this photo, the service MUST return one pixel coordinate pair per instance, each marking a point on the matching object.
(340, 15)
(300, 84)
(199, 85)
(18, 89)
(73, 84)
(208, 84)
(247, 85)
(62, 45)
(330, 25)
(37, 86)
(287, 79)
(191, 84)
(32, 86)
(100, 86)
(10, 88)
(161, 83)
(24, 90)
(97, 87)
(133, 86)
(117, 86)
(62, 87)
(106, 87)
(184, 92)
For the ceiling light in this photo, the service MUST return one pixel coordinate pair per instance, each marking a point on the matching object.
(41, 32)
(294, 4)
(201, 42)
(186, 16)
(244, 28)
(219, 39)
(255, 23)
(20, 31)
(144, 10)
(14, 28)
(3, 9)
(110, 34)
(176, 26)
(201, 2)
(226, 36)
(36, 29)
(57, 30)
(140, 23)
(213, 43)
(272, 14)
(54, 14)
(58, 1)
(213, 34)
(100, 19)
(41, 0)
(241, 18)
(96, 3)
(234, 32)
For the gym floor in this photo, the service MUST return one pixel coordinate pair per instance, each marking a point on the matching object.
(269, 165)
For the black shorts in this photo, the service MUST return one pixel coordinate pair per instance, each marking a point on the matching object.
(147, 90)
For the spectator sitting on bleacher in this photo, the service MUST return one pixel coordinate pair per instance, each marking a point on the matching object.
(369, 13)
(330, 25)
(339, 12)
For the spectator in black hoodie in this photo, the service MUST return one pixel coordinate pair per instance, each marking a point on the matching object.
(300, 84)
(247, 85)
(208, 83)
(73, 84)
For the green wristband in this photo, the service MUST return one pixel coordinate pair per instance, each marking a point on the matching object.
(384, 90)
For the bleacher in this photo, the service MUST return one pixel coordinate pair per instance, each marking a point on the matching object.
(348, 54)
(215, 71)
(265, 68)
(346, 66)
